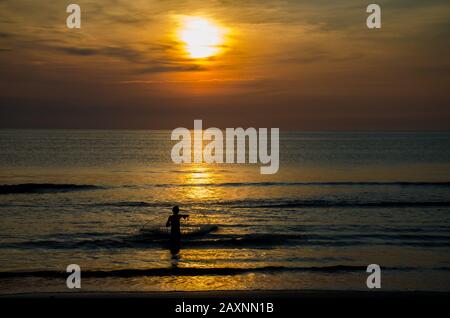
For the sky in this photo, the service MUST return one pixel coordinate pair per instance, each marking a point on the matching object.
(295, 65)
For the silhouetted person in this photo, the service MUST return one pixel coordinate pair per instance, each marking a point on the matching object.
(174, 222)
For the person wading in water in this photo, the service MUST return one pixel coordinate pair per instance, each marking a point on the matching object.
(174, 222)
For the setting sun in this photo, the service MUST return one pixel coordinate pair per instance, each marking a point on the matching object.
(201, 37)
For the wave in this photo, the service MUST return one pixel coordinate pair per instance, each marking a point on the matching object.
(339, 183)
(367, 228)
(44, 188)
(289, 203)
(189, 271)
(133, 204)
(55, 187)
(281, 203)
(263, 240)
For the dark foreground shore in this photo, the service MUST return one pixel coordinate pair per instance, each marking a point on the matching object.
(258, 294)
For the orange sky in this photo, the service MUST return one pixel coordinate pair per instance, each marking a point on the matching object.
(298, 65)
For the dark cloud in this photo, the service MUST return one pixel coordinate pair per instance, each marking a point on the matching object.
(411, 4)
(79, 51)
(120, 52)
(172, 68)
(5, 35)
(143, 63)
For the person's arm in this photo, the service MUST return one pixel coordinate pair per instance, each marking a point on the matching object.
(184, 216)
(169, 221)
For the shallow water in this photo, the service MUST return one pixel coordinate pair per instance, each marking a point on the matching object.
(340, 201)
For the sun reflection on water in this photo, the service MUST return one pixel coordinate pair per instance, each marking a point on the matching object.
(197, 177)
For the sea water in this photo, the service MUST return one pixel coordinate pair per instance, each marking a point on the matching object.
(339, 202)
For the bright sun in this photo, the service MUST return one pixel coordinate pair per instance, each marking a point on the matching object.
(201, 37)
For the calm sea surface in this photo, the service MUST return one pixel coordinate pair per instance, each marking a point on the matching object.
(340, 202)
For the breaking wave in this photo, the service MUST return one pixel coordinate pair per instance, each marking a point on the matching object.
(44, 188)
(189, 271)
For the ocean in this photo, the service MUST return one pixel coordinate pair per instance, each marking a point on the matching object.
(340, 202)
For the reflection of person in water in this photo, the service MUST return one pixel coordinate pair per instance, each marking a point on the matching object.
(174, 222)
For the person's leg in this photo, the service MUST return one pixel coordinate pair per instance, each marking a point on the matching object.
(175, 243)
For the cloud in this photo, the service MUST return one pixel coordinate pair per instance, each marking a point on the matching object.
(211, 80)
(115, 51)
(172, 68)
(5, 35)
(144, 63)
(79, 51)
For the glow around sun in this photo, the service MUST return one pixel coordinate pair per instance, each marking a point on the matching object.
(201, 37)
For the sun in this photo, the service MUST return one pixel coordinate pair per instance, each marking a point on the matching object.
(202, 38)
